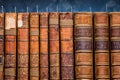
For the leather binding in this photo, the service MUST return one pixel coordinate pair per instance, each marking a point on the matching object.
(1, 46)
(10, 46)
(83, 45)
(23, 46)
(66, 40)
(115, 44)
(44, 67)
(34, 46)
(54, 46)
(101, 41)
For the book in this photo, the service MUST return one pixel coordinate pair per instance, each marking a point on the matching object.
(83, 45)
(34, 46)
(54, 45)
(101, 45)
(10, 46)
(2, 45)
(44, 61)
(66, 40)
(115, 44)
(23, 46)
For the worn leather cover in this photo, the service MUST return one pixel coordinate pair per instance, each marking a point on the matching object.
(44, 67)
(83, 45)
(54, 46)
(10, 45)
(66, 40)
(101, 38)
(115, 44)
(23, 45)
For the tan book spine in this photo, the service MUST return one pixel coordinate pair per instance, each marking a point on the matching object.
(34, 46)
(54, 46)
(23, 45)
(83, 46)
(66, 40)
(10, 46)
(115, 44)
(2, 46)
(44, 67)
(101, 41)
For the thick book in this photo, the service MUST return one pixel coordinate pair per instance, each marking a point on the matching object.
(115, 44)
(44, 67)
(66, 42)
(22, 46)
(2, 45)
(83, 45)
(10, 46)
(54, 46)
(34, 46)
(101, 45)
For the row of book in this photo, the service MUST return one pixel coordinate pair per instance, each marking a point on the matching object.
(60, 46)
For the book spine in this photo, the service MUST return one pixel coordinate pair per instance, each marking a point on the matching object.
(44, 67)
(115, 44)
(101, 41)
(83, 46)
(54, 46)
(10, 46)
(66, 40)
(1, 46)
(34, 46)
(23, 46)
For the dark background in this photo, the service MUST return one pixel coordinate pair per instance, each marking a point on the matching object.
(63, 5)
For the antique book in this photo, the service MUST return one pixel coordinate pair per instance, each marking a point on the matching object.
(22, 46)
(54, 46)
(1, 46)
(44, 67)
(34, 46)
(83, 45)
(66, 42)
(101, 47)
(10, 46)
(115, 44)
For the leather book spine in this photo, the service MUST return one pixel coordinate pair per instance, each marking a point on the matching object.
(1, 46)
(54, 46)
(66, 40)
(10, 46)
(83, 46)
(23, 46)
(44, 67)
(115, 44)
(101, 41)
(34, 46)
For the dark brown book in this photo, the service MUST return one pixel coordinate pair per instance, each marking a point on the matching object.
(23, 45)
(115, 44)
(54, 46)
(83, 45)
(101, 41)
(44, 67)
(66, 40)
(34, 46)
(10, 46)
(1, 46)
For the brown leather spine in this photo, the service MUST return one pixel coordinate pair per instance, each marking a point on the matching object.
(101, 38)
(1, 45)
(115, 44)
(44, 68)
(34, 46)
(23, 45)
(54, 46)
(83, 46)
(66, 34)
(10, 46)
